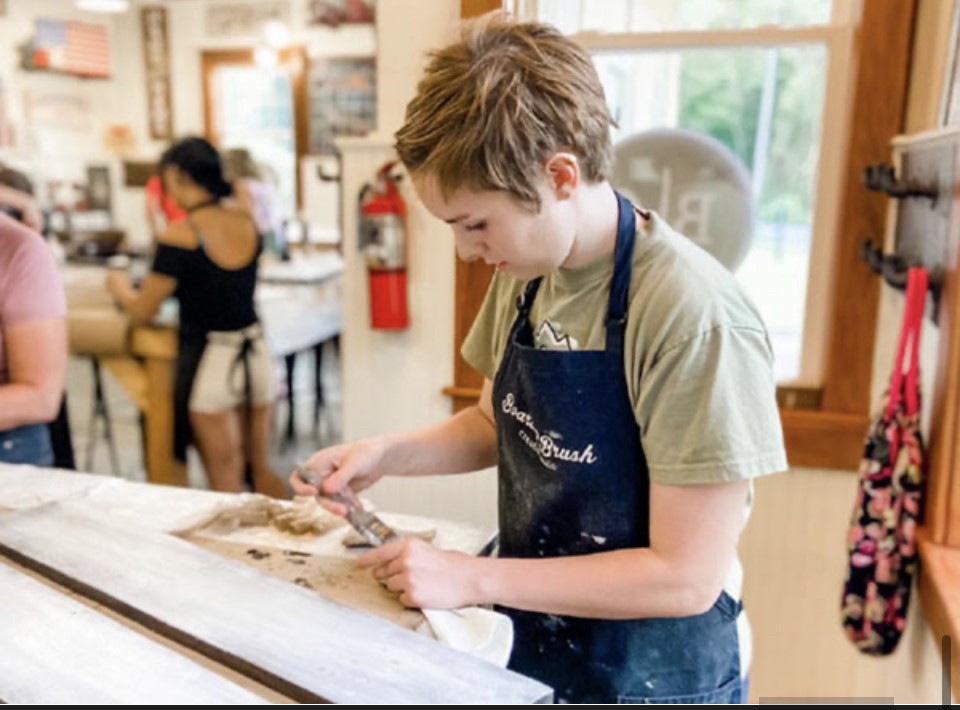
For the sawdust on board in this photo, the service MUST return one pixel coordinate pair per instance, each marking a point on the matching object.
(332, 577)
(304, 517)
(335, 578)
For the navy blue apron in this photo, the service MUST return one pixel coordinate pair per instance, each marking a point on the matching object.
(573, 480)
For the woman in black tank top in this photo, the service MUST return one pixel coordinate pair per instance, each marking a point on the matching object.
(224, 381)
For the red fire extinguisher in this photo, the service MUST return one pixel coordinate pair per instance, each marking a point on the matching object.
(383, 218)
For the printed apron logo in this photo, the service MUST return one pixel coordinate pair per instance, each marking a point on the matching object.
(544, 445)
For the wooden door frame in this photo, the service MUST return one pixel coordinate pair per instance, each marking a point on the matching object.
(295, 60)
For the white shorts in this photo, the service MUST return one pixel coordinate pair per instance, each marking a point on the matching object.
(219, 384)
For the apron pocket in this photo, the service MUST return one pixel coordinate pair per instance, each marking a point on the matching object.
(729, 693)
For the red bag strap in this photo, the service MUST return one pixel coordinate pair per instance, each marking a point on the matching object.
(916, 300)
(919, 307)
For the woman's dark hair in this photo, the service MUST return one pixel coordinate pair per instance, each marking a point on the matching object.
(15, 179)
(201, 161)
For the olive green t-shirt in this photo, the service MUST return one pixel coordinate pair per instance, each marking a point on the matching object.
(697, 358)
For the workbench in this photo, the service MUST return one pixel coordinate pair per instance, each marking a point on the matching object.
(106, 600)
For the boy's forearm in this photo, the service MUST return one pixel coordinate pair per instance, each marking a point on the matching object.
(465, 442)
(624, 584)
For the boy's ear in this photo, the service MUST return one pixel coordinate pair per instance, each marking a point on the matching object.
(563, 174)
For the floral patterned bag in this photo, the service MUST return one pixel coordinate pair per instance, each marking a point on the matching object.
(881, 543)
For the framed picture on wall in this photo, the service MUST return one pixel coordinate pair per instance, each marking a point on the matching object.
(244, 19)
(343, 100)
(98, 188)
(338, 12)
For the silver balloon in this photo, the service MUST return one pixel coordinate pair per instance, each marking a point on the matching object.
(695, 183)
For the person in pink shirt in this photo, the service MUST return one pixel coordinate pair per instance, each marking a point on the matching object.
(33, 340)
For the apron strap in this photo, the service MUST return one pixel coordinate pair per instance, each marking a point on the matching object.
(622, 269)
(619, 286)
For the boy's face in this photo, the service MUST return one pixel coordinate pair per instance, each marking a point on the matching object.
(495, 227)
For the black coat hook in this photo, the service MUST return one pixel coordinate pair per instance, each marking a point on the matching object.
(881, 178)
(894, 269)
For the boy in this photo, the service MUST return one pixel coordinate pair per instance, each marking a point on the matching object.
(628, 401)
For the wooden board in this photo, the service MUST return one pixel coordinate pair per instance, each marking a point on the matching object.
(336, 578)
(55, 650)
(279, 634)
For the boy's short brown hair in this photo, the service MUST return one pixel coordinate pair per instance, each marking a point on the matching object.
(492, 108)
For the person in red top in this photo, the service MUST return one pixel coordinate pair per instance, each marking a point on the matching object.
(162, 210)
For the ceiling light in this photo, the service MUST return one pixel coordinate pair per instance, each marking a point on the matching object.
(276, 34)
(265, 57)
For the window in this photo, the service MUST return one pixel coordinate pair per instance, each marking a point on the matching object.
(254, 110)
(261, 107)
(755, 75)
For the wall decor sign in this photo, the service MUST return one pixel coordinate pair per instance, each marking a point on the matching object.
(241, 19)
(98, 188)
(156, 62)
(68, 47)
(343, 100)
(338, 12)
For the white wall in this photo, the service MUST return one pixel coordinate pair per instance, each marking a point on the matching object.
(393, 381)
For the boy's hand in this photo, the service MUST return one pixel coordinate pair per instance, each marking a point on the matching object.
(346, 468)
(424, 576)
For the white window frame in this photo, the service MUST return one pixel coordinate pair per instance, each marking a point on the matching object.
(838, 39)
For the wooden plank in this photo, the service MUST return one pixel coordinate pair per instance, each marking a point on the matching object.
(475, 8)
(472, 279)
(57, 650)
(824, 439)
(162, 465)
(285, 637)
(943, 490)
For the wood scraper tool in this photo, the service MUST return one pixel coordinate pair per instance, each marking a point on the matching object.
(374, 530)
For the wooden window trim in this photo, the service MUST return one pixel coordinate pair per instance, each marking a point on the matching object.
(940, 536)
(832, 435)
(295, 60)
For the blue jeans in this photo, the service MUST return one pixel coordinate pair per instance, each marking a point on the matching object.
(29, 444)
